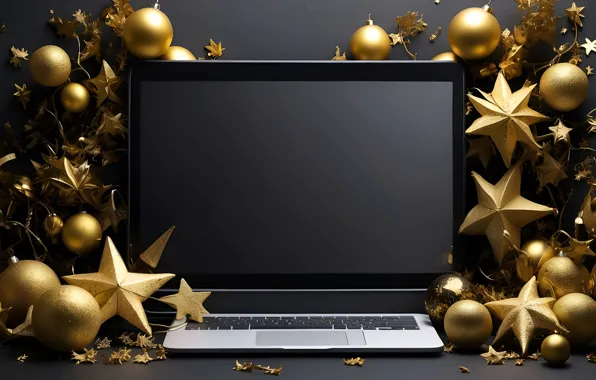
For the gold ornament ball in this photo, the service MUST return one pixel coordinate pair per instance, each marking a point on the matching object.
(21, 284)
(178, 53)
(564, 87)
(81, 233)
(560, 276)
(52, 225)
(50, 66)
(148, 33)
(370, 42)
(474, 33)
(75, 97)
(555, 349)
(577, 312)
(66, 318)
(443, 292)
(447, 56)
(468, 324)
(538, 252)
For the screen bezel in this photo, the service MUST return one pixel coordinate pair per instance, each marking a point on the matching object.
(211, 70)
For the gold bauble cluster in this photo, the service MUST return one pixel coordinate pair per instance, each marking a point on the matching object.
(370, 42)
(50, 66)
(474, 33)
(564, 86)
(560, 276)
(81, 233)
(148, 33)
(468, 324)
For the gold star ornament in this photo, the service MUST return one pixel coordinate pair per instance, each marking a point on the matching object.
(575, 14)
(590, 46)
(186, 302)
(494, 357)
(501, 208)
(525, 314)
(550, 171)
(560, 132)
(506, 117)
(106, 84)
(118, 291)
(589, 70)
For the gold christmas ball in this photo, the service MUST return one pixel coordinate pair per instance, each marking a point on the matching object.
(564, 86)
(66, 318)
(577, 312)
(21, 284)
(50, 66)
(81, 233)
(75, 97)
(370, 42)
(443, 292)
(148, 33)
(178, 53)
(560, 276)
(538, 252)
(468, 324)
(474, 33)
(52, 225)
(555, 349)
(447, 56)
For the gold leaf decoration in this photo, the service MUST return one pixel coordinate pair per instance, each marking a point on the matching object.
(17, 56)
(215, 50)
(86, 357)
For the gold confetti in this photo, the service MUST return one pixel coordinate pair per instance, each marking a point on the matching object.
(448, 348)
(23, 94)
(408, 26)
(102, 343)
(591, 357)
(268, 370)
(355, 361)
(512, 355)
(519, 362)
(215, 50)
(437, 2)
(338, 55)
(2, 28)
(160, 353)
(144, 341)
(22, 358)
(563, 30)
(535, 356)
(143, 359)
(589, 70)
(493, 357)
(118, 357)
(17, 56)
(126, 340)
(436, 34)
(86, 357)
(243, 367)
(464, 369)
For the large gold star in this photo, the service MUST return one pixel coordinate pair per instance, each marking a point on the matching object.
(118, 291)
(501, 208)
(187, 302)
(525, 314)
(106, 84)
(506, 117)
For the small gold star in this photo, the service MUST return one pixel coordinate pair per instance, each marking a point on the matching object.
(23, 94)
(589, 70)
(590, 46)
(494, 357)
(563, 30)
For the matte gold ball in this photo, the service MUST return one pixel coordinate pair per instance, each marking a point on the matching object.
(555, 349)
(447, 56)
(66, 318)
(52, 225)
(50, 66)
(75, 97)
(577, 312)
(474, 34)
(21, 284)
(564, 87)
(148, 33)
(560, 276)
(178, 53)
(81, 233)
(538, 252)
(468, 324)
(370, 42)
(443, 292)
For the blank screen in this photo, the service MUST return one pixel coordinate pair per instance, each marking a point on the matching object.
(297, 177)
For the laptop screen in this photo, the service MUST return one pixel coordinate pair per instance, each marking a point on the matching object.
(296, 177)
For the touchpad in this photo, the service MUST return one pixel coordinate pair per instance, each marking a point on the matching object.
(301, 338)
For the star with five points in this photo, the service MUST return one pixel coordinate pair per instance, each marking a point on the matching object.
(589, 70)
(187, 302)
(590, 46)
(560, 132)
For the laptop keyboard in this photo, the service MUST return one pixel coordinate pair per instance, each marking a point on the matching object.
(302, 323)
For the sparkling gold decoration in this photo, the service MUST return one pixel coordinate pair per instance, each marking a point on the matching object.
(447, 56)
(501, 208)
(106, 84)
(22, 358)
(268, 370)
(408, 25)
(118, 291)
(50, 66)
(338, 55)
(23, 95)
(152, 255)
(143, 358)
(589, 70)
(494, 357)
(370, 42)
(577, 312)
(144, 341)
(178, 53)
(52, 225)
(243, 367)
(81, 233)
(463, 369)
(214, 50)
(443, 292)
(88, 356)
(101, 344)
(474, 33)
(148, 33)
(506, 117)
(590, 46)
(555, 349)
(66, 318)
(574, 13)
(17, 56)
(118, 357)
(524, 314)
(560, 132)
(576, 250)
(21, 284)
(75, 97)
(564, 87)
(355, 361)
(560, 276)
(535, 254)
(160, 353)
(468, 324)
(186, 302)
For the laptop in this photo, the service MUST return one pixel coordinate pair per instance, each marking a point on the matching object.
(316, 200)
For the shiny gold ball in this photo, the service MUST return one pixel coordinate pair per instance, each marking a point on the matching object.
(468, 324)
(81, 233)
(148, 33)
(370, 42)
(447, 56)
(178, 53)
(474, 34)
(577, 312)
(564, 87)
(21, 284)
(66, 318)
(50, 66)
(538, 252)
(443, 292)
(75, 97)
(52, 225)
(560, 276)
(555, 349)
